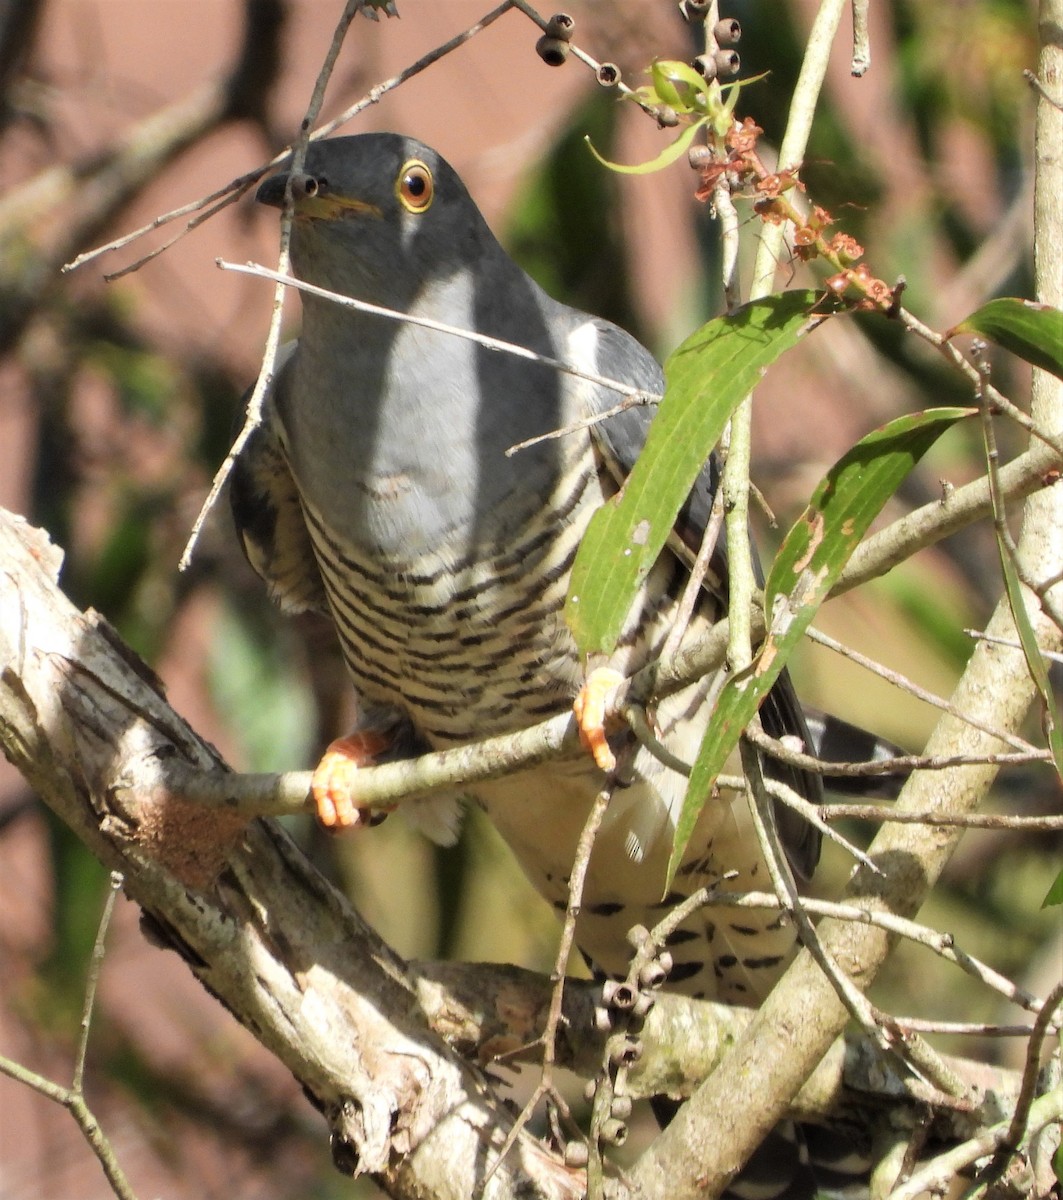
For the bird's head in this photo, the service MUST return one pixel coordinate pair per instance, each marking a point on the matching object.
(378, 215)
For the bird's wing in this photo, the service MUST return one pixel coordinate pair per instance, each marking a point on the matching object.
(619, 439)
(269, 515)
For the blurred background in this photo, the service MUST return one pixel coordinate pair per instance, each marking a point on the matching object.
(119, 399)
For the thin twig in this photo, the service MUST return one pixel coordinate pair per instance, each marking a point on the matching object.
(253, 413)
(92, 981)
(73, 1098)
(470, 335)
(1020, 1117)
(940, 943)
(978, 635)
(913, 689)
(546, 1086)
(934, 1176)
(1001, 821)
(861, 59)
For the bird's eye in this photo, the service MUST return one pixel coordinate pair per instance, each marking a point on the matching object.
(414, 186)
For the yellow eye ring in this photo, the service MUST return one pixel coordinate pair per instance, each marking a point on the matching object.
(415, 187)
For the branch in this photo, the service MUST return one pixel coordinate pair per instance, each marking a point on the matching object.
(380, 1045)
(79, 716)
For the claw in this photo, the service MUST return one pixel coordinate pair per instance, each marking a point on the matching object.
(334, 785)
(590, 709)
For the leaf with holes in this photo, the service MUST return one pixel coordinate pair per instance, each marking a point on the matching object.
(807, 566)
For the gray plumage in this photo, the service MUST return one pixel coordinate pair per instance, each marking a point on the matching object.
(378, 489)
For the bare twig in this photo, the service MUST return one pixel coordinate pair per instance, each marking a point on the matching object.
(253, 413)
(470, 335)
(861, 40)
(73, 1098)
(913, 689)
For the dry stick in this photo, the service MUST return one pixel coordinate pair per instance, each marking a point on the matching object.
(253, 415)
(912, 1050)
(861, 59)
(236, 188)
(977, 634)
(545, 1086)
(791, 902)
(961, 1028)
(1005, 1138)
(934, 1177)
(812, 813)
(898, 765)
(470, 335)
(73, 1098)
(940, 944)
(1000, 821)
(1028, 1088)
(913, 689)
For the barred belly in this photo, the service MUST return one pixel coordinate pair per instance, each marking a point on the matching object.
(469, 643)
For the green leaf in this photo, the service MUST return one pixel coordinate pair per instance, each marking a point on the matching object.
(1032, 331)
(1032, 652)
(1035, 661)
(679, 85)
(670, 154)
(1055, 893)
(707, 377)
(807, 566)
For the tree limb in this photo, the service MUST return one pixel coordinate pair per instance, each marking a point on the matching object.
(260, 928)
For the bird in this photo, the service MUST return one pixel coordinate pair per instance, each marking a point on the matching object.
(378, 490)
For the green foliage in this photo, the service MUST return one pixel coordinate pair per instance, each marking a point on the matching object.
(1032, 331)
(253, 682)
(707, 377)
(806, 567)
(563, 227)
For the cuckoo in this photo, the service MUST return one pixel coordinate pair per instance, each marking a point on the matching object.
(378, 489)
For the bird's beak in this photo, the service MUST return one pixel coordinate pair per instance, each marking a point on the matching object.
(309, 203)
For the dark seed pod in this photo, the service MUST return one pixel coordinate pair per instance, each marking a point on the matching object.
(667, 117)
(553, 51)
(728, 64)
(705, 65)
(613, 1132)
(727, 32)
(561, 26)
(608, 74)
(699, 155)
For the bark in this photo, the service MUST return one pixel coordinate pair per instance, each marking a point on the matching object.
(279, 947)
(391, 1052)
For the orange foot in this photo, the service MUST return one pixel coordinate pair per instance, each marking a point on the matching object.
(589, 707)
(334, 785)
